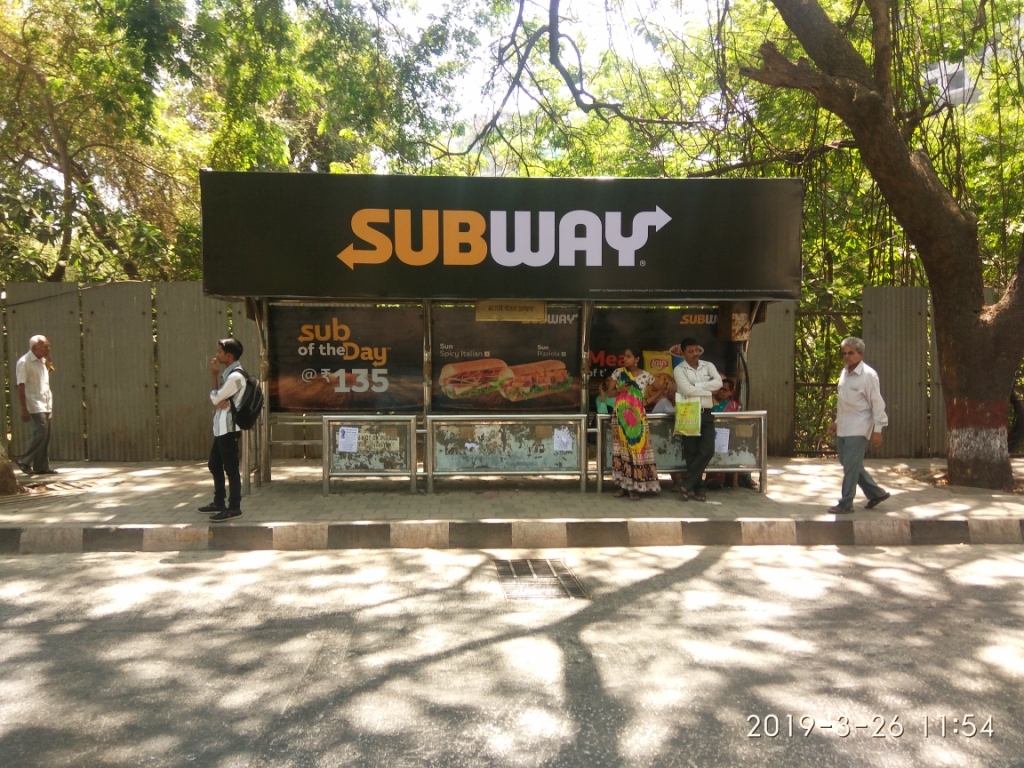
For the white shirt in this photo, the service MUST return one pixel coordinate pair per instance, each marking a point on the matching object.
(232, 384)
(860, 409)
(696, 383)
(33, 373)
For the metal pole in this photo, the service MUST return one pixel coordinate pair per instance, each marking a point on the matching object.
(263, 438)
(325, 452)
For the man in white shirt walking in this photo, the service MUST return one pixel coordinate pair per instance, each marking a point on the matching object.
(33, 376)
(228, 385)
(697, 379)
(860, 417)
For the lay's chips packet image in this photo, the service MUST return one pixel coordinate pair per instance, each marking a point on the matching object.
(657, 362)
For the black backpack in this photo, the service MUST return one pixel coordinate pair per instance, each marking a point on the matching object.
(248, 412)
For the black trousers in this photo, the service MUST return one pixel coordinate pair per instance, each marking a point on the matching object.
(698, 452)
(224, 461)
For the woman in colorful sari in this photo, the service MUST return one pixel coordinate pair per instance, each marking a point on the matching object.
(633, 466)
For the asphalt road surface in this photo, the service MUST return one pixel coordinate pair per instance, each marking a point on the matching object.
(687, 656)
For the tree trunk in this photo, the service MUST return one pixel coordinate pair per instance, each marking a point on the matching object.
(9, 484)
(979, 347)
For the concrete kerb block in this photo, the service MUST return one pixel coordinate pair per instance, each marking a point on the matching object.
(300, 536)
(420, 535)
(50, 540)
(539, 534)
(655, 533)
(995, 531)
(177, 538)
(885, 532)
(768, 532)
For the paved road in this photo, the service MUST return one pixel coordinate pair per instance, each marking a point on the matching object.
(683, 657)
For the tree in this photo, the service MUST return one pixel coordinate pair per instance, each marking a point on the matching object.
(971, 337)
(867, 72)
(83, 174)
(109, 108)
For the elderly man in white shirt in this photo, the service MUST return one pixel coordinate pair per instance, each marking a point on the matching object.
(228, 386)
(697, 379)
(860, 417)
(33, 376)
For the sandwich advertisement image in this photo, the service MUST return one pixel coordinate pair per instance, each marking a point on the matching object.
(505, 366)
(338, 358)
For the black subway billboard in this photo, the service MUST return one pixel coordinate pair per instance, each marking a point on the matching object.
(410, 237)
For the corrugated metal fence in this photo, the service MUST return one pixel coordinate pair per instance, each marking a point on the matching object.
(896, 332)
(141, 352)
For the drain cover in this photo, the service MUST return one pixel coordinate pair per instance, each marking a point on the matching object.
(538, 580)
(70, 485)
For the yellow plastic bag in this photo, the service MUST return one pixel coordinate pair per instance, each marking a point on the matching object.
(688, 418)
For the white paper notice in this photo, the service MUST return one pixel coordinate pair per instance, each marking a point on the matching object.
(563, 440)
(721, 440)
(348, 439)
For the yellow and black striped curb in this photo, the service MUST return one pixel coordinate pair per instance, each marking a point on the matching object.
(445, 534)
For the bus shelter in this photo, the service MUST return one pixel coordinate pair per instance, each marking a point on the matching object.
(460, 326)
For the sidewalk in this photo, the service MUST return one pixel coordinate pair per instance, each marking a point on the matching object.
(152, 507)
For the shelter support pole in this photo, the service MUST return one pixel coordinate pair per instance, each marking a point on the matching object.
(263, 433)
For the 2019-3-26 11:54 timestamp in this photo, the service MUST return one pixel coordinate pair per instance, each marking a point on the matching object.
(966, 725)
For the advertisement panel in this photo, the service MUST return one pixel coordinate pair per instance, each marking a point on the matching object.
(386, 237)
(505, 366)
(342, 358)
(656, 330)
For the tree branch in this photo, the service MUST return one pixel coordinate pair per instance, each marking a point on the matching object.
(881, 42)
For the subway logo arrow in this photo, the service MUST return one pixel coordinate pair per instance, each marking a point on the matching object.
(461, 237)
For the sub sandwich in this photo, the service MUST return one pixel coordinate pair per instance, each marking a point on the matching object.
(523, 382)
(471, 377)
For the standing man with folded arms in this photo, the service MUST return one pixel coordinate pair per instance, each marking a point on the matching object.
(860, 417)
(697, 379)
(33, 376)
(228, 384)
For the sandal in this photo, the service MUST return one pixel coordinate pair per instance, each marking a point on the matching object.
(619, 493)
(634, 496)
(684, 495)
(700, 497)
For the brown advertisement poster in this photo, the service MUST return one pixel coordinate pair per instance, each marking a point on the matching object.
(506, 366)
(346, 359)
